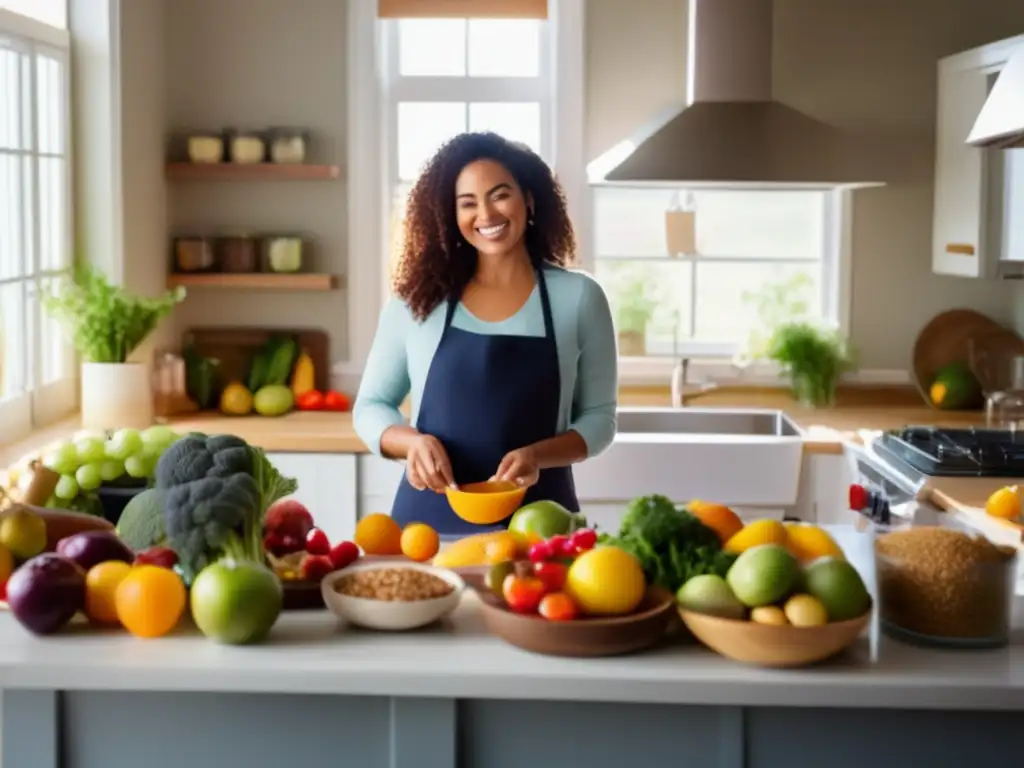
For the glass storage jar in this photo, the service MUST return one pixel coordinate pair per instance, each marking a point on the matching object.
(193, 254)
(288, 146)
(238, 254)
(247, 148)
(282, 253)
(206, 148)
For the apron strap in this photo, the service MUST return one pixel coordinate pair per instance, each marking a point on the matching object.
(453, 303)
(545, 303)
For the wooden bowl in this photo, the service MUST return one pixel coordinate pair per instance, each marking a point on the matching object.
(303, 596)
(766, 645)
(613, 636)
(485, 503)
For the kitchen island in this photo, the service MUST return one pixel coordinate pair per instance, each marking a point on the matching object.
(454, 696)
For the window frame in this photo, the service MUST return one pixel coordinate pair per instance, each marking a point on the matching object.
(718, 362)
(372, 168)
(42, 404)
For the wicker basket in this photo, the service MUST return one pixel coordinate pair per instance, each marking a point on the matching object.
(944, 340)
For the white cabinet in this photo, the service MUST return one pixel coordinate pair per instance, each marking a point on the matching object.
(968, 219)
(377, 483)
(327, 486)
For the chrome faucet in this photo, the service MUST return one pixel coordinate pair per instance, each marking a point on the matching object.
(681, 395)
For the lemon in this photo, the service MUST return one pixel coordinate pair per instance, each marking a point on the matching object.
(756, 533)
(769, 614)
(805, 611)
(606, 581)
(808, 542)
(235, 400)
(1004, 503)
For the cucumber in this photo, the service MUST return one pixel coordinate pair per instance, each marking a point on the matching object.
(257, 372)
(281, 361)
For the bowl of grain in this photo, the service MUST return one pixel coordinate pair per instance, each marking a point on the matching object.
(392, 594)
(943, 586)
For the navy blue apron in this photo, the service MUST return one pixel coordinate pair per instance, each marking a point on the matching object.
(486, 395)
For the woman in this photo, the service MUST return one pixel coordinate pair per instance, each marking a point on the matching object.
(509, 358)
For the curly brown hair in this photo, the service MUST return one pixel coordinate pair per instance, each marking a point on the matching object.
(432, 266)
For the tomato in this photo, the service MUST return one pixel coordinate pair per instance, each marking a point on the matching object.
(315, 567)
(317, 542)
(310, 401)
(559, 546)
(583, 539)
(552, 574)
(336, 401)
(165, 557)
(540, 552)
(344, 553)
(522, 593)
(558, 606)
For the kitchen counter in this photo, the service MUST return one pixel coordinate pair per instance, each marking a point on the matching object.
(454, 696)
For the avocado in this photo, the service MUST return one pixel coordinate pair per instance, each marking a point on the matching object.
(955, 388)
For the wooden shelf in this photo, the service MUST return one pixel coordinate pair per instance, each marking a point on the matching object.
(257, 172)
(259, 281)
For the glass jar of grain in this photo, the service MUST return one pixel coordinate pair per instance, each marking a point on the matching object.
(944, 586)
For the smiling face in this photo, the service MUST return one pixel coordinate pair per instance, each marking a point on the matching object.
(490, 208)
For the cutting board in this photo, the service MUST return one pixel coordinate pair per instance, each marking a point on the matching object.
(236, 348)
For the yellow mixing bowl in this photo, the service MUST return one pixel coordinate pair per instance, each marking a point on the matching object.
(485, 503)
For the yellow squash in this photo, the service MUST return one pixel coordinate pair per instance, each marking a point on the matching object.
(304, 375)
(481, 549)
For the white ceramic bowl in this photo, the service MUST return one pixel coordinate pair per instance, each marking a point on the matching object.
(391, 614)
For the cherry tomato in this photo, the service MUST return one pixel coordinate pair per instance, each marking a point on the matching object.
(583, 539)
(165, 557)
(540, 552)
(310, 401)
(317, 542)
(522, 593)
(558, 544)
(344, 553)
(553, 575)
(336, 401)
(558, 606)
(315, 567)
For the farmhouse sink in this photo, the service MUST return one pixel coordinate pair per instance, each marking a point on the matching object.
(706, 421)
(744, 457)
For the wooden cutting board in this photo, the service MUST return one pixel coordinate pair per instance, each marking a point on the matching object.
(236, 348)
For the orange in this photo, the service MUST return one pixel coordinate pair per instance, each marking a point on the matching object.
(1004, 503)
(808, 542)
(378, 534)
(419, 542)
(606, 581)
(101, 584)
(718, 517)
(150, 600)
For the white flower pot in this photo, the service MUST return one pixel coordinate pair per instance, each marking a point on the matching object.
(116, 396)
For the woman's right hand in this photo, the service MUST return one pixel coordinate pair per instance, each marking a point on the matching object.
(427, 465)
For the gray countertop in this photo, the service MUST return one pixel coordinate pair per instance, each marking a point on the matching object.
(310, 652)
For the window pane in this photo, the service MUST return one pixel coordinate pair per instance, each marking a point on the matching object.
(52, 12)
(432, 47)
(735, 299)
(514, 121)
(732, 223)
(49, 101)
(14, 352)
(423, 126)
(54, 350)
(650, 303)
(53, 246)
(13, 131)
(14, 196)
(504, 47)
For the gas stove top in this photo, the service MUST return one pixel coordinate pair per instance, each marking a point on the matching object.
(940, 452)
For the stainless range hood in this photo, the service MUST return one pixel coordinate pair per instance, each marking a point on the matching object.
(733, 130)
(1001, 121)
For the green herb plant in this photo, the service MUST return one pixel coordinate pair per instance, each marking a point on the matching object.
(104, 322)
(814, 358)
(780, 302)
(635, 300)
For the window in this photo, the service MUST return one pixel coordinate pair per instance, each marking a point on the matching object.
(446, 76)
(759, 256)
(36, 379)
(51, 12)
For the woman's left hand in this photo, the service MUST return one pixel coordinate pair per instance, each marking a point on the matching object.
(520, 467)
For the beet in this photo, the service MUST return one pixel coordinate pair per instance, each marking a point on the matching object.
(46, 592)
(90, 548)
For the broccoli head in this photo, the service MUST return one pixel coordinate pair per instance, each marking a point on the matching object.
(197, 456)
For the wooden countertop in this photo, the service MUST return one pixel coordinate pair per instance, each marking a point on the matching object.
(857, 410)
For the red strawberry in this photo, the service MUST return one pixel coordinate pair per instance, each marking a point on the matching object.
(317, 542)
(344, 553)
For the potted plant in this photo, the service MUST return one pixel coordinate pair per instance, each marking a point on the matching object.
(814, 359)
(634, 307)
(106, 324)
